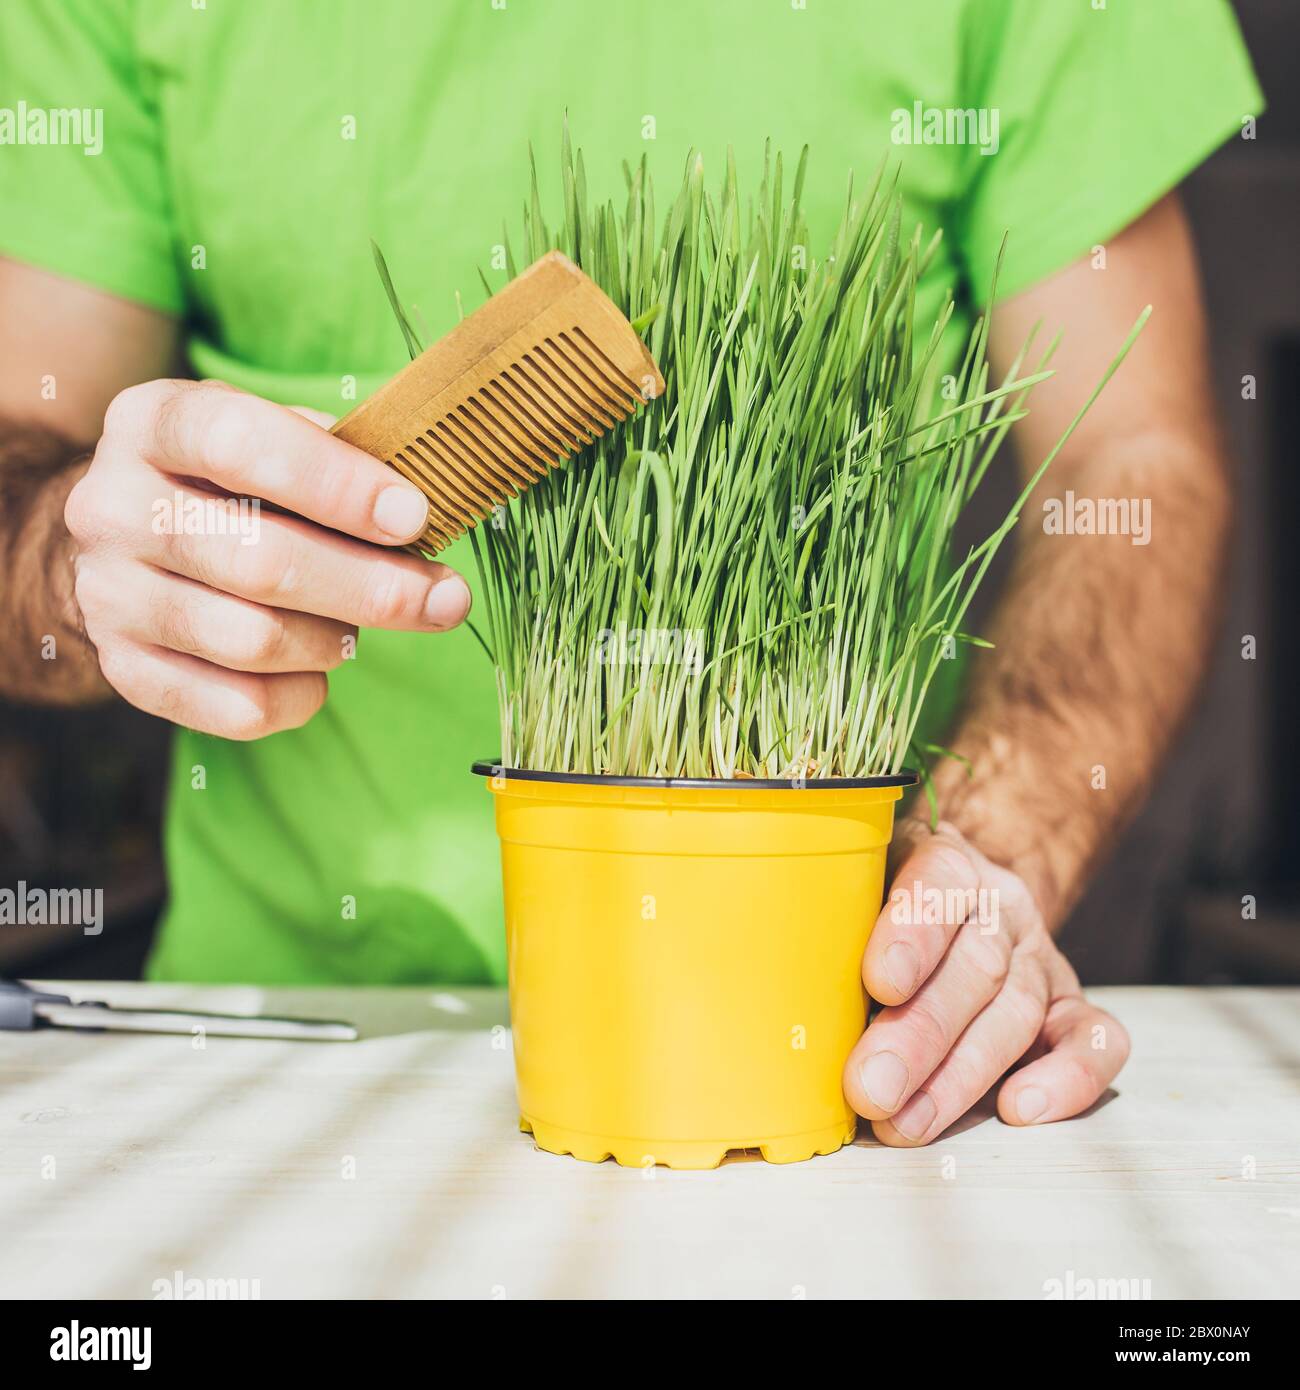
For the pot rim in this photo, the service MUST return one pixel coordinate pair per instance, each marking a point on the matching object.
(907, 778)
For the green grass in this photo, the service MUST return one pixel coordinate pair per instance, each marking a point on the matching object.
(779, 522)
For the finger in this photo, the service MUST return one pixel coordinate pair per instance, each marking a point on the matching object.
(155, 608)
(318, 417)
(293, 564)
(929, 899)
(1086, 1049)
(281, 561)
(904, 1045)
(993, 1042)
(251, 446)
(211, 699)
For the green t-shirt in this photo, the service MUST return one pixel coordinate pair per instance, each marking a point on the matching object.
(251, 148)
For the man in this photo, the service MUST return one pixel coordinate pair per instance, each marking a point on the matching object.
(326, 829)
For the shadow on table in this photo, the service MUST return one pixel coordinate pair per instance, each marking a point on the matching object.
(1259, 1028)
(437, 1011)
(985, 1111)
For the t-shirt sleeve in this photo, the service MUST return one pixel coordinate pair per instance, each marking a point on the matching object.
(82, 185)
(1100, 112)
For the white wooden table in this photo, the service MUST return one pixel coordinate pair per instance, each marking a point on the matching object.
(393, 1167)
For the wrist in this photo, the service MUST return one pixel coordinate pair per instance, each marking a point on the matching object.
(1012, 818)
(51, 661)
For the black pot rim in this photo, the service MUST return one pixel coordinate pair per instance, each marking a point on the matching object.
(906, 778)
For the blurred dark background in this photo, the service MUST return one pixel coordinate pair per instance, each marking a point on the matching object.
(1223, 824)
(81, 791)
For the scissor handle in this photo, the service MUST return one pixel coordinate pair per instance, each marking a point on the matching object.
(18, 1003)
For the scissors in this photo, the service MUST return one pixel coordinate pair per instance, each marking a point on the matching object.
(23, 1008)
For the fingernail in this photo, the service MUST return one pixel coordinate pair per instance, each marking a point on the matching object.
(1030, 1103)
(916, 1117)
(448, 602)
(902, 966)
(884, 1079)
(401, 512)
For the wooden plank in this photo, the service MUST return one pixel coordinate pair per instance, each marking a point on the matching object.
(393, 1168)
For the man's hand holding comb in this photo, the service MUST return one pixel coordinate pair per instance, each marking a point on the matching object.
(219, 614)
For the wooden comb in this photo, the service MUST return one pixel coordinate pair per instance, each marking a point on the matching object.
(546, 366)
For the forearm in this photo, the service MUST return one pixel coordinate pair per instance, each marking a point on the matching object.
(47, 659)
(1100, 645)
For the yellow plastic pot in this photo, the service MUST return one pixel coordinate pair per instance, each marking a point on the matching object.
(685, 959)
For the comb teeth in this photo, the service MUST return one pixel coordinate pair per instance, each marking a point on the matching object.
(557, 398)
(543, 369)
